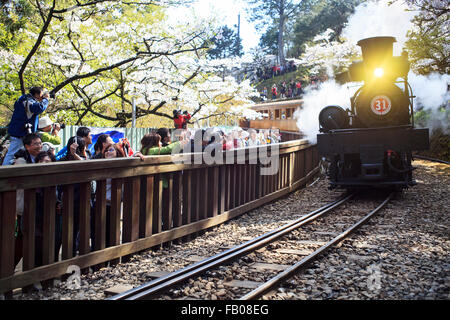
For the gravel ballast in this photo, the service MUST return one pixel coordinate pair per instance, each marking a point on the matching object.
(402, 253)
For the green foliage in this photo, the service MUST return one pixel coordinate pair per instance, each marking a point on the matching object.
(14, 16)
(225, 44)
(323, 15)
(422, 117)
(269, 41)
(428, 41)
(315, 17)
(427, 51)
(97, 56)
(275, 14)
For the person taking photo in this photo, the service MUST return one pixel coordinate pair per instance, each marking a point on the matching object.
(48, 131)
(25, 119)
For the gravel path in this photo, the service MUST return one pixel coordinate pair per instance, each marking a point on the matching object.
(402, 253)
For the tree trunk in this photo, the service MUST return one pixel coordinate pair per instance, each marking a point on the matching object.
(281, 34)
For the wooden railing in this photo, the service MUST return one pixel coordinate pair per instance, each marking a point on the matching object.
(197, 197)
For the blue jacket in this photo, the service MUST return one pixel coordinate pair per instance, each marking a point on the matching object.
(20, 116)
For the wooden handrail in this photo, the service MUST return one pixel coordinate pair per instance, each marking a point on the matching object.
(27, 176)
(197, 197)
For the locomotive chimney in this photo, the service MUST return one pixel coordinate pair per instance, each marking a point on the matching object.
(376, 50)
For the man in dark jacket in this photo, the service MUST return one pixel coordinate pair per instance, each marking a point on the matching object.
(25, 119)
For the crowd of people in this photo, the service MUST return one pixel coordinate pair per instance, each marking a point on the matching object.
(264, 73)
(225, 139)
(283, 90)
(36, 143)
(157, 142)
(291, 89)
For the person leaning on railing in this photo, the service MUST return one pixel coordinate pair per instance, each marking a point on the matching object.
(253, 138)
(85, 133)
(82, 132)
(46, 157)
(32, 143)
(102, 140)
(152, 145)
(110, 151)
(76, 147)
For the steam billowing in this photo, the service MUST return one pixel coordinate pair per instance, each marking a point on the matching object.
(431, 94)
(328, 93)
(378, 18)
(371, 19)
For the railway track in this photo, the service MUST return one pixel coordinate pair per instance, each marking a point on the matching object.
(416, 156)
(284, 237)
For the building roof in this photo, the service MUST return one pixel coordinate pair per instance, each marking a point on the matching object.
(283, 103)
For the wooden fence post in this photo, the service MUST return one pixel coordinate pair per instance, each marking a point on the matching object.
(130, 231)
(115, 210)
(7, 239)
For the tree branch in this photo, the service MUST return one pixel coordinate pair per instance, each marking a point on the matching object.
(35, 46)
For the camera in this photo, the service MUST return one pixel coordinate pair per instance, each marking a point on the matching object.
(61, 125)
(177, 113)
(28, 127)
(51, 94)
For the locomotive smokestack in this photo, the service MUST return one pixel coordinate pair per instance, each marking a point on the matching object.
(377, 50)
(378, 63)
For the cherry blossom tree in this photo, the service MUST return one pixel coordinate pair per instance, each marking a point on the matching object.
(100, 56)
(428, 40)
(324, 55)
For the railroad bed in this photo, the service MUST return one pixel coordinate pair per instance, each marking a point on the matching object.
(402, 253)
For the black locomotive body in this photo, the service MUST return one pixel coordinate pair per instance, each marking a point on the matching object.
(371, 144)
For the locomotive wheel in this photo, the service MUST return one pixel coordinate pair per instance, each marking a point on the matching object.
(382, 106)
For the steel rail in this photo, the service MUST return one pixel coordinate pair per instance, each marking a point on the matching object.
(294, 269)
(416, 156)
(163, 283)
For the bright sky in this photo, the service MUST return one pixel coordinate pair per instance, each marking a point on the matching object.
(227, 11)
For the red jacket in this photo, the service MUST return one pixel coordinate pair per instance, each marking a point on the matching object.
(180, 121)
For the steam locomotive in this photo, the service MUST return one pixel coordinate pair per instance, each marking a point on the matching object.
(371, 144)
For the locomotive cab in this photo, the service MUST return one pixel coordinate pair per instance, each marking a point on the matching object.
(371, 144)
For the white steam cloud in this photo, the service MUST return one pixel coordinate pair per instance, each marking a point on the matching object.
(328, 93)
(430, 91)
(379, 18)
(431, 94)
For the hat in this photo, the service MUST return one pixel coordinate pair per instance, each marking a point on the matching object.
(44, 122)
(46, 146)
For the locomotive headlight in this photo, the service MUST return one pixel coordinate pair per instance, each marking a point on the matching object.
(378, 72)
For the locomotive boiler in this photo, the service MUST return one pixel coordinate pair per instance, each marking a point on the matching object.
(371, 144)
